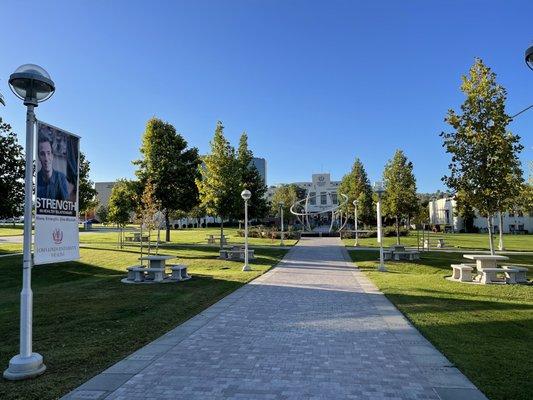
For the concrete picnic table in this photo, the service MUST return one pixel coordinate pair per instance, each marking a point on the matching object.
(156, 261)
(485, 260)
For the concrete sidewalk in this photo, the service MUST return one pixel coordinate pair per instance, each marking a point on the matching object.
(312, 328)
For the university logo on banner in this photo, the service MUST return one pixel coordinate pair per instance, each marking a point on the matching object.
(56, 204)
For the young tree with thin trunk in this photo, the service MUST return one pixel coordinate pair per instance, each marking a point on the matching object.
(171, 166)
(220, 182)
(121, 206)
(485, 166)
(356, 186)
(12, 166)
(400, 199)
(86, 193)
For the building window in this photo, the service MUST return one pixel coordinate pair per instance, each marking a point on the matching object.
(334, 198)
(520, 228)
(511, 228)
(312, 198)
(323, 198)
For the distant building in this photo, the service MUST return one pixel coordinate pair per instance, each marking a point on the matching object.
(442, 212)
(260, 164)
(103, 192)
(323, 192)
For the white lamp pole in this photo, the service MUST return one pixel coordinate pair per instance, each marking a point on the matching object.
(355, 219)
(378, 188)
(32, 84)
(281, 205)
(246, 194)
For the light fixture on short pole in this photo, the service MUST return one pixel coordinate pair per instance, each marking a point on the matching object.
(281, 205)
(246, 194)
(32, 85)
(378, 188)
(355, 224)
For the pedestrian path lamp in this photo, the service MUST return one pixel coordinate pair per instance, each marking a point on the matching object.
(32, 85)
(355, 224)
(378, 188)
(529, 57)
(281, 205)
(246, 194)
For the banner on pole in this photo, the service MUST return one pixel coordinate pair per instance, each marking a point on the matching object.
(56, 204)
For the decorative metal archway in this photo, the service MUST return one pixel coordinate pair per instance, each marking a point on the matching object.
(301, 210)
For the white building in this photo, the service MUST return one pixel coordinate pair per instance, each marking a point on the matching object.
(323, 192)
(103, 192)
(442, 212)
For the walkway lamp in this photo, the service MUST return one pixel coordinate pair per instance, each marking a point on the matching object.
(355, 219)
(379, 190)
(246, 194)
(529, 57)
(281, 205)
(32, 85)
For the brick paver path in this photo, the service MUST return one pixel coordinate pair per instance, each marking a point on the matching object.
(314, 327)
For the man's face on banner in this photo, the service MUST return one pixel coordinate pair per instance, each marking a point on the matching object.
(46, 157)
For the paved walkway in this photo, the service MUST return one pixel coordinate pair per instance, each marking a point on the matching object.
(312, 328)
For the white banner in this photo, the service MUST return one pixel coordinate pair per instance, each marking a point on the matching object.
(56, 205)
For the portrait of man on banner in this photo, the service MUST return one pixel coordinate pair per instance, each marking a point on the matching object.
(57, 171)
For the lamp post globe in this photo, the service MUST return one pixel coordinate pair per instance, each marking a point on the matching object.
(246, 194)
(529, 57)
(379, 190)
(33, 85)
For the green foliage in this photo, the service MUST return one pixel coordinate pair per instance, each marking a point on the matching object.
(87, 193)
(251, 180)
(288, 195)
(12, 166)
(356, 186)
(219, 183)
(122, 203)
(171, 166)
(485, 167)
(102, 213)
(400, 200)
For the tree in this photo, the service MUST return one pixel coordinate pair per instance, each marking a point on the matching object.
(102, 213)
(288, 195)
(12, 167)
(86, 192)
(400, 199)
(220, 182)
(484, 165)
(148, 209)
(356, 186)
(171, 166)
(251, 180)
(121, 205)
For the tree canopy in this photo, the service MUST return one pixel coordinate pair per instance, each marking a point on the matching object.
(87, 193)
(356, 186)
(12, 167)
(400, 200)
(171, 166)
(484, 167)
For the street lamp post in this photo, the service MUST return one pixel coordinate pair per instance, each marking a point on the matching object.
(529, 57)
(246, 194)
(33, 85)
(355, 219)
(378, 188)
(281, 205)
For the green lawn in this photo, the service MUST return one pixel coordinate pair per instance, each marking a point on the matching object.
(10, 230)
(85, 319)
(476, 241)
(493, 322)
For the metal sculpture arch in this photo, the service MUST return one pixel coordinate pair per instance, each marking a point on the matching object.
(301, 210)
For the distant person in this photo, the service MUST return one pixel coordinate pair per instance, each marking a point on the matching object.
(51, 184)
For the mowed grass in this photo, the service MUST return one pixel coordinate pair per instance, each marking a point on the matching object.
(85, 319)
(10, 230)
(485, 330)
(477, 241)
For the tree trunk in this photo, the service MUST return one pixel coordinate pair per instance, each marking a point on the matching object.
(167, 226)
(397, 230)
(221, 231)
(489, 228)
(500, 222)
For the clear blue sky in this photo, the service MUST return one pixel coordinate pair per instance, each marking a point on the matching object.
(314, 84)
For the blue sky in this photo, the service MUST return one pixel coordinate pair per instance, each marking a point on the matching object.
(314, 84)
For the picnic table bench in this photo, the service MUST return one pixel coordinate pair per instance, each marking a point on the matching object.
(212, 239)
(156, 271)
(235, 253)
(487, 270)
(398, 252)
(136, 237)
